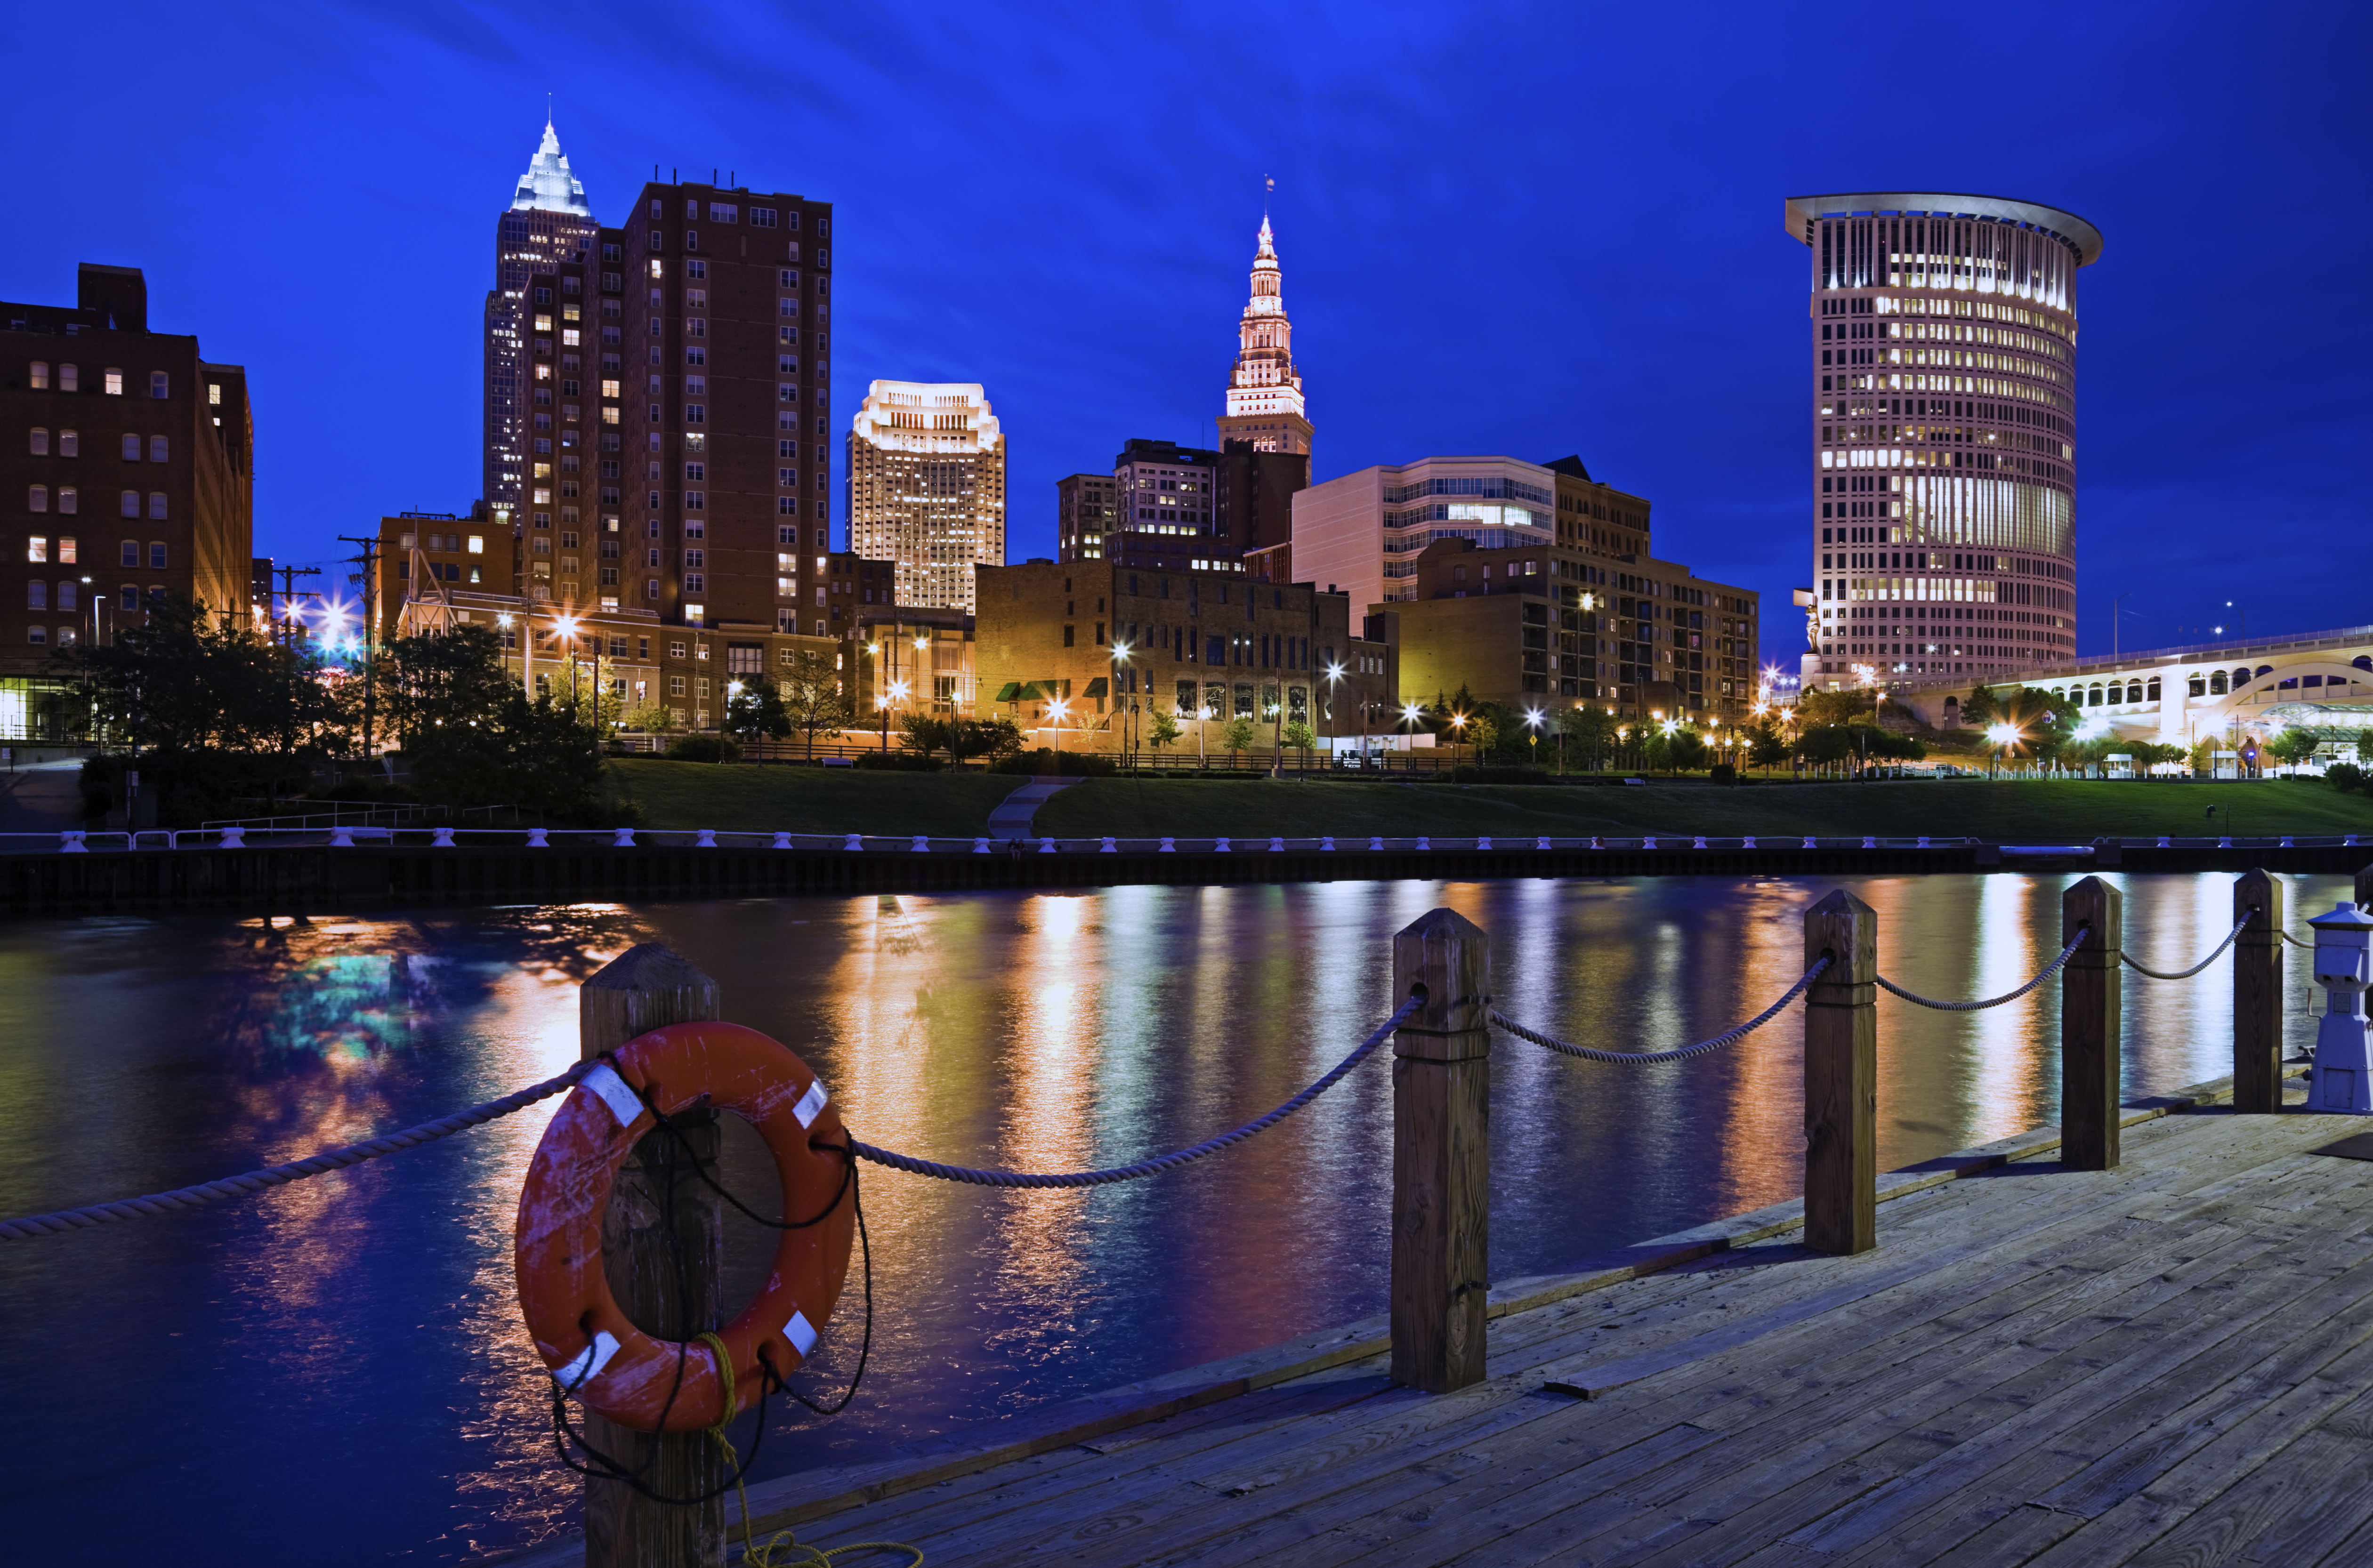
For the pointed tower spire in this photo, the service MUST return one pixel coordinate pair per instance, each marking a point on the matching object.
(1264, 403)
(548, 184)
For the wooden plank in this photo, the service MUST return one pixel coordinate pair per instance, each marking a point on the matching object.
(1841, 1076)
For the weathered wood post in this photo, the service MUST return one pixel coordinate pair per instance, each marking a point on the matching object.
(1442, 1153)
(641, 988)
(2091, 999)
(1841, 1077)
(2258, 993)
(2365, 888)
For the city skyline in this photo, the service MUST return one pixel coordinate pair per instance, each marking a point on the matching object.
(1097, 285)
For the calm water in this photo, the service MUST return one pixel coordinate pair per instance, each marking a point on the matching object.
(338, 1365)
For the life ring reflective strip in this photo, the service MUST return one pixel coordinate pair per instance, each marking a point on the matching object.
(586, 1341)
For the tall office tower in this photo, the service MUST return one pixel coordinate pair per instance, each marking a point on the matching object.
(1944, 370)
(547, 222)
(1264, 388)
(1087, 506)
(724, 299)
(927, 487)
(1363, 532)
(132, 457)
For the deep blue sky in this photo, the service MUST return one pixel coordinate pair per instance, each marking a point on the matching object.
(1505, 228)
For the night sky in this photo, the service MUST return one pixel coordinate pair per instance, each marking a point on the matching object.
(1531, 230)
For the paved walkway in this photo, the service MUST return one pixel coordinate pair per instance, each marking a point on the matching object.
(42, 798)
(1012, 815)
(2170, 1361)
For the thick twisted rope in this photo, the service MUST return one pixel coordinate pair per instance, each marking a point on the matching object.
(2239, 927)
(2294, 941)
(1642, 1057)
(1159, 1163)
(2048, 970)
(229, 1187)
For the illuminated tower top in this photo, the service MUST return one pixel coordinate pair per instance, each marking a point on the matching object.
(1264, 405)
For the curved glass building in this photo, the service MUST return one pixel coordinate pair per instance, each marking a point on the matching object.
(1944, 432)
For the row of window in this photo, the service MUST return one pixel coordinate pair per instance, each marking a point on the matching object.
(69, 445)
(38, 550)
(69, 501)
(128, 599)
(728, 212)
(68, 379)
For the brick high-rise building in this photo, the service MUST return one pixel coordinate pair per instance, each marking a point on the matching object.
(1087, 506)
(720, 399)
(548, 221)
(927, 487)
(126, 458)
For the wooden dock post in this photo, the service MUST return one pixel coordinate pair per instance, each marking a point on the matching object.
(1442, 1154)
(1841, 1077)
(2258, 993)
(2091, 1001)
(643, 988)
(2365, 888)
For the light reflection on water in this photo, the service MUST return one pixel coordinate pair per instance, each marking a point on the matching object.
(340, 1361)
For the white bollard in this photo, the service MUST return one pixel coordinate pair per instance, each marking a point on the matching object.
(2349, 842)
(1869, 843)
(1810, 842)
(1483, 841)
(1169, 846)
(1541, 842)
(1649, 841)
(2164, 842)
(852, 841)
(1423, 842)
(2286, 841)
(1326, 845)
(537, 839)
(704, 838)
(782, 840)
(1597, 842)
(440, 838)
(70, 842)
(341, 838)
(235, 838)
(980, 846)
(2343, 1074)
(1046, 846)
(1220, 847)
(1376, 844)
(2224, 844)
(922, 845)
(1277, 846)
(1924, 840)
(1747, 842)
(1109, 848)
(1700, 843)
(623, 839)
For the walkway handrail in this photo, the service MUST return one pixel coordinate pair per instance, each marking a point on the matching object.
(206, 1193)
(2238, 928)
(1159, 1163)
(2046, 973)
(1642, 1057)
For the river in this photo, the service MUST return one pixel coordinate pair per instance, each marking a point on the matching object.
(336, 1368)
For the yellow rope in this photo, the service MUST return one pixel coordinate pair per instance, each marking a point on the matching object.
(753, 1555)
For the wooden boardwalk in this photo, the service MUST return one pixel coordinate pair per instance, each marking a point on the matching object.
(2171, 1362)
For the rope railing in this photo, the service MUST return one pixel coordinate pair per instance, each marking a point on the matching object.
(2048, 972)
(2239, 926)
(1645, 1058)
(1159, 1163)
(199, 1196)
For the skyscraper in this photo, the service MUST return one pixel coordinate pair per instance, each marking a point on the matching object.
(927, 487)
(1943, 454)
(1264, 388)
(548, 221)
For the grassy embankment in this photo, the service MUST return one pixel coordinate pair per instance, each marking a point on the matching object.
(808, 800)
(695, 795)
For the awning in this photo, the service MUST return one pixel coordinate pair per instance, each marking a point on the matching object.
(1008, 693)
(1097, 687)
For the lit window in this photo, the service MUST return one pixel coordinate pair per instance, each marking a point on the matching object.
(114, 386)
(36, 548)
(478, 544)
(213, 393)
(40, 377)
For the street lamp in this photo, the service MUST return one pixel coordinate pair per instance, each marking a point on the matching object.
(1334, 674)
(1119, 662)
(1458, 729)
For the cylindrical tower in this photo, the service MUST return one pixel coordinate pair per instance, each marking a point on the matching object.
(1944, 434)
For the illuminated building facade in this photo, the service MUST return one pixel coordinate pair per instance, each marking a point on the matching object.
(1363, 532)
(1943, 452)
(1265, 406)
(927, 487)
(547, 223)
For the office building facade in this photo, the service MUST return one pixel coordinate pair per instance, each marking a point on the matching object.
(927, 487)
(1943, 455)
(127, 458)
(548, 221)
(1363, 532)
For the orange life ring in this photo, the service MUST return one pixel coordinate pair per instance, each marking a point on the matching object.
(586, 1341)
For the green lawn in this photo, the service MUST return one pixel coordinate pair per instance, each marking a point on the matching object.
(745, 797)
(2015, 813)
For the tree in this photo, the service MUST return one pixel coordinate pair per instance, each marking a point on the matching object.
(2293, 745)
(1766, 746)
(1825, 706)
(982, 737)
(1299, 736)
(1981, 709)
(434, 680)
(1592, 730)
(653, 718)
(757, 712)
(812, 695)
(1236, 737)
(1163, 731)
(532, 755)
(923, 733)
(1686, 750)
